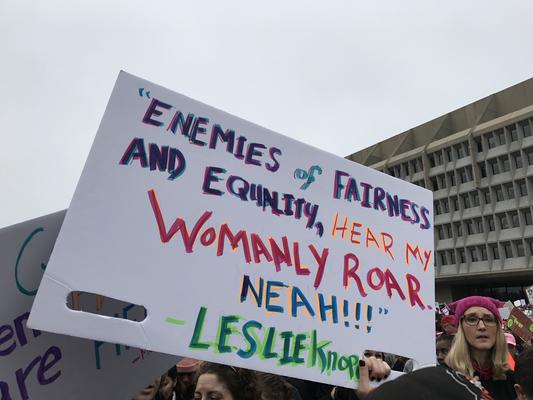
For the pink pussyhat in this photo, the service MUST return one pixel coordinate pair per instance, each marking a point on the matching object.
(510, 339)
(460, 306)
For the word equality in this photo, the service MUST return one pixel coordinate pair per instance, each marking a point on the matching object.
(278, 203)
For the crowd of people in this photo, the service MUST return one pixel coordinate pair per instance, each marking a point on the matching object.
(476, 357)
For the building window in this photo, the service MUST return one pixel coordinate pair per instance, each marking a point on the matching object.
(507, 250)
(462, 257)
(451, 256)
(448, 152)
(451, 178)
(469, 227)
(436, 204)
(479, 225)
(482, 169)
(506, 165)
(445, 206)
(526, 215)
(529, 155)
(448, 229)
(513, 132)
(440, 232)
(405, 167)
(443, 260)
(442, 181)
(462, 175)
(499, 193)
(526, 128)
(502, 220)
(434, 183)
(515, 222)
(522, 187)
(431, 159)
(475, 198)
(483, 252)
(473, 254)
(458, 229)
(466, 201)
(493, 166)
(490, 223)
(509, 191)
(416, 165)
(495, 252)
(486, 196)
(517, 160)
(479, 145)
(500, 137)
(491, 143)
(438, 157)
(455, 203)
(530, 246)
(459, 151)
(519, 246)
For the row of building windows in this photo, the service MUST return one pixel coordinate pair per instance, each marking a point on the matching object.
(488, 223)
(489, 140)
(484, 252)
(501, 164)
(475, 198)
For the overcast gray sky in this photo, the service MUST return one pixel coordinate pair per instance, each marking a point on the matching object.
(339, 75)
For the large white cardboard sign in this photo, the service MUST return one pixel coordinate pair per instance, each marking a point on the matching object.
(246, 247)
(39, 365)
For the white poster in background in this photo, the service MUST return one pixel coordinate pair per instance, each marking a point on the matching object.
(529, 293)
(246, 247)
(39, 365)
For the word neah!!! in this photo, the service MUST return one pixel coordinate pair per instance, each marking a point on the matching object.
(253, 247)
(251, 338)
(281, 298)
(347, 188)
(202, 133)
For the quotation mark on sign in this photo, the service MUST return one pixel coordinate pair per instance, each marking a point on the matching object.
(141, 90)
(308, 176)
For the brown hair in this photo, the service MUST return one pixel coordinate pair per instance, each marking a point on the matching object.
(241, 383)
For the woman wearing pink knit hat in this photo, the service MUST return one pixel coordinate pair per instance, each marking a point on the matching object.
(479, 348)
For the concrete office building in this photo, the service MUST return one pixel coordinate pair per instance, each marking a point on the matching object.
(478, 161)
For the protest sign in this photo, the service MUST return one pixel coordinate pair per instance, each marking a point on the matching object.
(529, 294)
(246, 247)
(520, 324)
(40, 365)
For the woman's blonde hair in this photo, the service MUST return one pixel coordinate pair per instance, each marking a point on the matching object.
(459, 358)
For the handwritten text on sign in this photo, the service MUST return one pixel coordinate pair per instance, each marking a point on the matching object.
(245, 247)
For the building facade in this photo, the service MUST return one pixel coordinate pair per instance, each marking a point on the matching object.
(478, 161)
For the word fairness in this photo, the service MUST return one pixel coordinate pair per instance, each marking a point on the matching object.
(295, 348)
(279, 252)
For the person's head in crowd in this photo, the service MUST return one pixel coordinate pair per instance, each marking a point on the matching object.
(447, 322)
(510, 340)
(224, 382)
(479, 346)
(166, 387)
(274, 387)
(524, 375)
(443, 345)
(149, 392)
(185, 373)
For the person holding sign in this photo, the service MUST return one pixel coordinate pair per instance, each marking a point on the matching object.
(479, 348)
